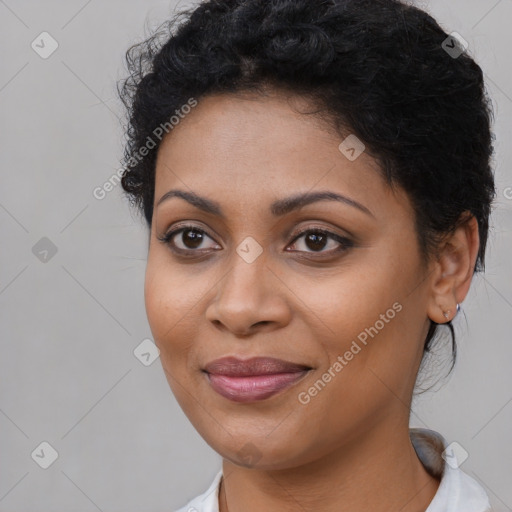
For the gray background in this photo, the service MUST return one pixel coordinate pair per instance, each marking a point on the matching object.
(70, 324)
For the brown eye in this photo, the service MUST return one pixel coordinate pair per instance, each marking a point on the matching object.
(192, 238)
(187, 239)
(316, 240)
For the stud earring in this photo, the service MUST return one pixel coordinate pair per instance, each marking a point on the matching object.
(446, 314)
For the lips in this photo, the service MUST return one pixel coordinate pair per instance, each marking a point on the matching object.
(252, 379)
(233, 367)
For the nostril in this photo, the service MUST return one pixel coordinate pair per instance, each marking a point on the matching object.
(263, 322)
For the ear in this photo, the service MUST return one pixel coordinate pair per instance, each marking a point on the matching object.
(453, 270)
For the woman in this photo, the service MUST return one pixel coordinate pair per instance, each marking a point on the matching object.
(315, 178)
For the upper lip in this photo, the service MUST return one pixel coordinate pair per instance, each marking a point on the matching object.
(234, 367)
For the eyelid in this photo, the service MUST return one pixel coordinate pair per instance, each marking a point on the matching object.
(324, 229)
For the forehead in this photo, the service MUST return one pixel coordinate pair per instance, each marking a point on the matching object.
(252, 149)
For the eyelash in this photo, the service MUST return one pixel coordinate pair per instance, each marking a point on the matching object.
(345, 243)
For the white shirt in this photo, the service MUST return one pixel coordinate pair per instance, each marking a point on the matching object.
(457, 491)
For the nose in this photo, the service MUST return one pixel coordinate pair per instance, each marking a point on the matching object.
(250, 297)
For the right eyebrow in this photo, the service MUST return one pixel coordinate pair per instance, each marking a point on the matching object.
(202, 203)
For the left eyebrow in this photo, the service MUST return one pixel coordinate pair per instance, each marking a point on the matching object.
(288, 204)
(277, 208)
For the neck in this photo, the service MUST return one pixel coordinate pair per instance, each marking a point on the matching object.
(379, 471)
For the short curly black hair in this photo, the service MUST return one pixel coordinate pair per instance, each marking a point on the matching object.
(380, 69)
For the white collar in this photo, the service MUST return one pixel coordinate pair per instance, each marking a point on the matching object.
(457, 491)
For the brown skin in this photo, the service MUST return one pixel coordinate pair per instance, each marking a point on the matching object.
(348, 448)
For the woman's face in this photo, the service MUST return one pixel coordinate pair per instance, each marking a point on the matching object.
(243, 282)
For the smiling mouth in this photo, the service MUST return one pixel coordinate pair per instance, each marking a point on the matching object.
(253, 379)
(253, 388)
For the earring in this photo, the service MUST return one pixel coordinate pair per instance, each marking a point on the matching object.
(446, 314)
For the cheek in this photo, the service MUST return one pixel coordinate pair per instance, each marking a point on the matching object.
(157, 300)
(169, 312)
(166, 304)
(369, 343)
(173, 298)
(168, 295)
(344, 305)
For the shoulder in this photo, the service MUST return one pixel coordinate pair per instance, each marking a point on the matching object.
(207, 501)
(457, 490)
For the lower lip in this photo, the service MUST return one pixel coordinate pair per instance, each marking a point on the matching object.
(254, 388)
